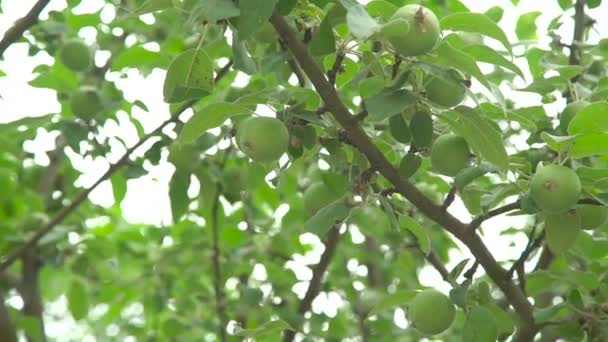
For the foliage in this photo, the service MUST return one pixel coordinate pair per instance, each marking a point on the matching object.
(242, 256)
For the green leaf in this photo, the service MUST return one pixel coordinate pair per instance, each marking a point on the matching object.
(594, 3)
(504, 322)
(325, 218)
(178, 194)
(495, 13)
(399, 129)
(323, 42)
(409, 165)
(421, 126)
(78, 299)
(451, 57)
(526, 26)
(189, 76)
(564, 4)
(469, 174)
(272, 327)
(371, 86)
(392, 300)
(134, 57)
(360, 23)
(389, 102)
(214, 10)
(480, 326)
(119, 187)
(591, 119)
(590, 145)
(556, 142)
(381, 8)
(257, 12)
(150, 6)
(485, 54)
(457, 270)
(482, 137)
(475, 22)
(424, 242)
(242, 60)
(210, 116)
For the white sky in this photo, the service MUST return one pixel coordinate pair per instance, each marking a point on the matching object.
(147, 198)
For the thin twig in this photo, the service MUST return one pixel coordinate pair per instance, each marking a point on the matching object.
(449, 199)
(396, 65)
(6, 261)
(293, 65)
(217, 268)
(21, 25)
(314, 287)
(533, 244)
(494, 212)
(471, 271)
(336, 68)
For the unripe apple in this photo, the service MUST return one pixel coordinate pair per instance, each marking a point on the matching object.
(555, 188)
(444, 92)
(86, 102)
(449, 154)
(431, 312)
(262, 139)
(75, 55)
(420, 30)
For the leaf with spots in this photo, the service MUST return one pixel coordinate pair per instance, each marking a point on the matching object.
(189, 76)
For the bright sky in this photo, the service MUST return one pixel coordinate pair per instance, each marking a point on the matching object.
(147, 198)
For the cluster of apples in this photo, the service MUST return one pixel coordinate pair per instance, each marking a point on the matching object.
(76, 55)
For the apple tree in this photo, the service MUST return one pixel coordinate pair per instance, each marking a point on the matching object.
(324, 156)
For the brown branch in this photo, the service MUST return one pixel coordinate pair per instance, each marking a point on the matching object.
(449, 199)
(21, 25)
(533, 244)
(29, 289)
(8, 333)
(7, 260)
(331, 241)
(578, 34)
(335, 69)
(434, 260)
(360, 139)
(216, 256)
(374, 274)
(494, 212)
(293, 65)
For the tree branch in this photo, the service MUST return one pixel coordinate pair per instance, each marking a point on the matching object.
(29, 289)
(217, 267)
(494, 212)
(360, 139)
(7, 327)
(333, 236)
(294, 66)
(21, 25)
(449, 199)
(333, 72)
(579, 31)
(6, 261)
